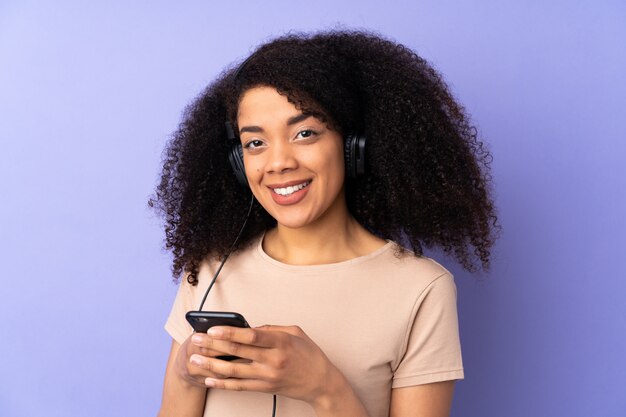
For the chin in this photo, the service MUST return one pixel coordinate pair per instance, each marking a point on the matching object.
(292, 222)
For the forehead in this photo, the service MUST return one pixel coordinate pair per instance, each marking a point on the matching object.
(264, 102)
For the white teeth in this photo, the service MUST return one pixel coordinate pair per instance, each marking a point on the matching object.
(291, 189)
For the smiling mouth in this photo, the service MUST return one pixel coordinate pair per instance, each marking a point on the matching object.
(291, 189)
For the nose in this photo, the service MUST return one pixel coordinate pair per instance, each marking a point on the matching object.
(281, 158)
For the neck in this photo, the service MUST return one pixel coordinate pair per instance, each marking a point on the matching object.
(334, 238)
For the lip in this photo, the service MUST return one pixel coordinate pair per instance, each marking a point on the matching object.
(294, 198)
(287, 184)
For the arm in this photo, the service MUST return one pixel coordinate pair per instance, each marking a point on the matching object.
(428, 400)
(433, 345)
(181, 398)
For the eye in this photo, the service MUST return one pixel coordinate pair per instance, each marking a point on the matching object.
(253, 144)
(306, 133)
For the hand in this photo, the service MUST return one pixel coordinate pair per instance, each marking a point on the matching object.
(189, 357)
(282, 360)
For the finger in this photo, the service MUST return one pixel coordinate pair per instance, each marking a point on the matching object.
(246, 336)
(209, 352)
(234, 384)
(204, 345)
(201, 340)
(240, 370)
(226, 347)
(198, 370)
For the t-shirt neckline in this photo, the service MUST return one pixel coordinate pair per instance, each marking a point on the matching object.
(321, 267)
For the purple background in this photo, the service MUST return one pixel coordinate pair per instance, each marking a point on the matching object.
(90, 92)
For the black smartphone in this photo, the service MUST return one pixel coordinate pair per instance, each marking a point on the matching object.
(201, 321)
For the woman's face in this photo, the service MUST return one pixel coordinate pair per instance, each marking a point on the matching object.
(294, 163)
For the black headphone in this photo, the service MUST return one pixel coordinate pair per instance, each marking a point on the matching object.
(354, 156)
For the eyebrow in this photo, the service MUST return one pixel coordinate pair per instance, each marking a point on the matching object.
(291, 121)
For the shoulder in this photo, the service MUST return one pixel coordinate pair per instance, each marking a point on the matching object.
(211, 263)
(400, 279)
(403, 263)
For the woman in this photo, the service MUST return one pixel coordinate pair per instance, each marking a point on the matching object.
(344, 320)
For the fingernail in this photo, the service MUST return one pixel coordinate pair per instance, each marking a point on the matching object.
(209, 382)
(215, 332)
(195, 360)
(197, 339)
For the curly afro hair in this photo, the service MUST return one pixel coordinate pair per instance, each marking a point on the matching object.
(427, 181)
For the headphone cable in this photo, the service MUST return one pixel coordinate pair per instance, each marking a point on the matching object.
(227, 254)
(218, 272)
(274, 406)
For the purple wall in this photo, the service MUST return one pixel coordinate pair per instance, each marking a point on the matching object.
(89, 94)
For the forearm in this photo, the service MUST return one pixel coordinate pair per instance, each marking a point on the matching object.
(181, 399)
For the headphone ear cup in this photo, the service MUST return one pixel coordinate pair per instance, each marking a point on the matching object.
(347, 155)
(235, 156)
(354, 155)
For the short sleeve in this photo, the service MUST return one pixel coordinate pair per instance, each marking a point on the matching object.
(176, 324)
(433, 348)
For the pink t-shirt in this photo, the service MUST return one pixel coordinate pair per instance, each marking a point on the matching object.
(386, 321)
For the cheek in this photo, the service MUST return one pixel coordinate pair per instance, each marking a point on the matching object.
(251, 166)
(332, 168)
(252, 174)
